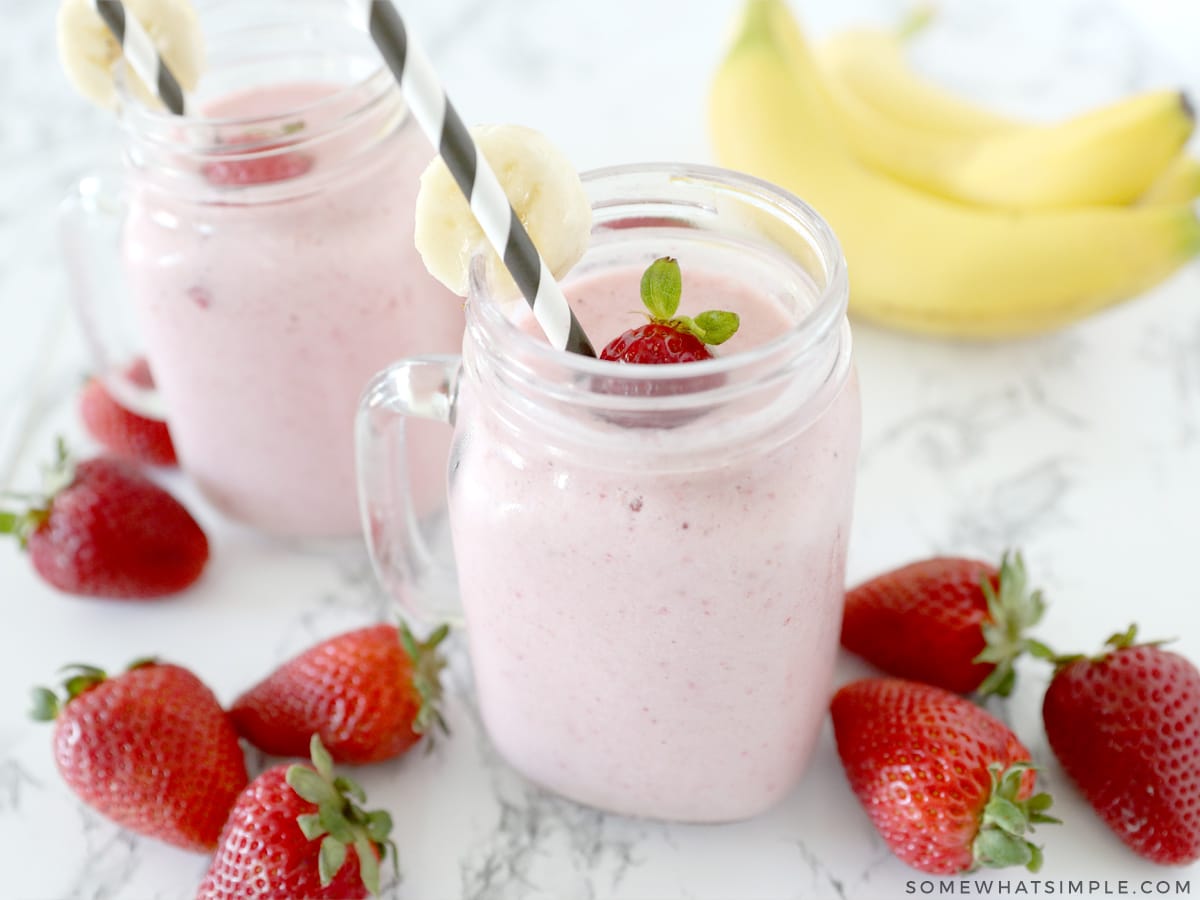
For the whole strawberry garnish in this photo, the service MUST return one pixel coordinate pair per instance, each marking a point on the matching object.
(369, 694)
(257, 159)
(668, 338)
(151, 749)
(956, 623)
(106, 530)
(1126, 727)
(948, 786)
(122, 431)
(294, 832)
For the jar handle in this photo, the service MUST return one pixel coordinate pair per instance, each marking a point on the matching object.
(90, 218)
(409, 558)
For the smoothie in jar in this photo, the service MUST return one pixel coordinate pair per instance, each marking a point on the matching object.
(268, 251)
(652, 574)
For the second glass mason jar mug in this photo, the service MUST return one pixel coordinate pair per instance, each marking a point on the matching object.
(264, 245)
(650, 559)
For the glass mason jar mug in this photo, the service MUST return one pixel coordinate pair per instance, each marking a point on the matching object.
(263, 249)
(650, 559)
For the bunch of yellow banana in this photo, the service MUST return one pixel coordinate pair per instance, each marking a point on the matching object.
(956, 221)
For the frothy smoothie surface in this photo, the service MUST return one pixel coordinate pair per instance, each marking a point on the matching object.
(609, 302)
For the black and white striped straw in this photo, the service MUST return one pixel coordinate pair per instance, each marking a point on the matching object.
(437, 117)
(139, 51)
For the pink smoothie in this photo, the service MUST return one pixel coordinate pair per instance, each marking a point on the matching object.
(266, 308)
(657, 643)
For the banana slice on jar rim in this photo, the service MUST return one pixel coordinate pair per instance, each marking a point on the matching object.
(544, 190)
(87, 50)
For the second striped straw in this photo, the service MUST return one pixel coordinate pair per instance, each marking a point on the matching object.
(423, 92)
(139, 51)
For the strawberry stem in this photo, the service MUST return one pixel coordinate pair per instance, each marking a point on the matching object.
(58, 475)
(427, 665)
(1001, 839)
(1012, 610)
(1119, 641)
(662, 286)
(339, 822)
(81, 679)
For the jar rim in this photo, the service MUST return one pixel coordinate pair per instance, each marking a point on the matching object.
(199, 133)
(150, 121)
(826, 313)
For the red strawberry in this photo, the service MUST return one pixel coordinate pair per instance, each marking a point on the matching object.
(106, 530)
(269, 848)
(956, 623)
(369, 694)
(668, 338)
(253, 162)
(655, 343)
(150, 749)
(948, 786)
(1126, 727)
(122, 431)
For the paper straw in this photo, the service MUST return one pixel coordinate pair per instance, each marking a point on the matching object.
(423, 92)
(141, 54)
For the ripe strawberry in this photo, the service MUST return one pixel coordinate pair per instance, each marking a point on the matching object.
(105, 530)
(1126, 727)
(151, 749)
(121, 431)
(668, 338)
(948, 786)
(369, 694)
(252, 162)
(655, 343)
(269, 848)
(955, 623)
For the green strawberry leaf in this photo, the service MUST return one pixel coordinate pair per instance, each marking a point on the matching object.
(379, 826)
(999, 849)
(334, 822)
(662, 286)
(1035, 857)
(350, 787)
(310, 785)
(427, 664)
(320, 757)
(1006, 815)
(45, 705)
(1038, 650)
(310, 825)
(1123, 638)
(333, 854)
(1012, 610)
(85, 678)
(716, 326)
(1000, 840)
(61, 472)
(368, 865)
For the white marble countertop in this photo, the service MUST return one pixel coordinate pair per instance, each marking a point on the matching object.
(1083, 448)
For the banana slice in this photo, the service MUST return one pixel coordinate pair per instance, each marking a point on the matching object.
(543, 188)
(87, 50)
